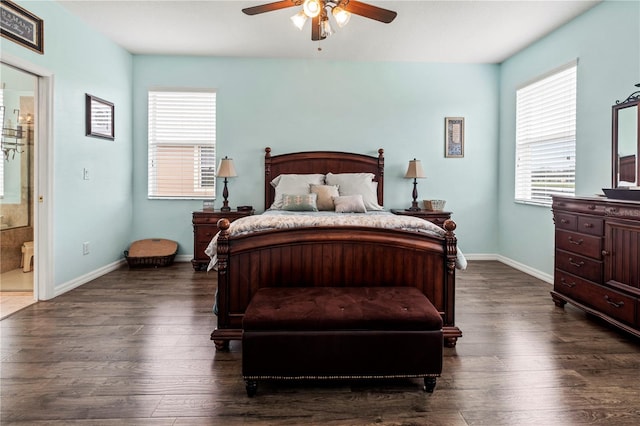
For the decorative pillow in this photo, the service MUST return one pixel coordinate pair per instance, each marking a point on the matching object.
(293, 184)
(325, 196)
(357, 183)
(300, 203)
(349, 204)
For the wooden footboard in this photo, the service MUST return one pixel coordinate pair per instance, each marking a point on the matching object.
(336, 257)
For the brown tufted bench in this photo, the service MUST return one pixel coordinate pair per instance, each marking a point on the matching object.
(341, 333)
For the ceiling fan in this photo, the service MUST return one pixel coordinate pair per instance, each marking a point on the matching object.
(319, 10)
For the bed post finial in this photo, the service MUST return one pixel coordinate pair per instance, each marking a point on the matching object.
(380, 176)
(267, 174)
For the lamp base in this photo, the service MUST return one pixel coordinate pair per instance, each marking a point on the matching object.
(225, 209)
(414, 208)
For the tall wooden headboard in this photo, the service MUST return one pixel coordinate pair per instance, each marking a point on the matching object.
(321, 162)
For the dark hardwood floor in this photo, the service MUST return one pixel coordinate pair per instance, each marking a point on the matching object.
(132, 347)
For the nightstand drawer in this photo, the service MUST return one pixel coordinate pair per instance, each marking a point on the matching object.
(586, 245)
(205, 233)
(581, 266)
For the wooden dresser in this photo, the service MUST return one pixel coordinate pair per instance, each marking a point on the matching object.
(597, 252)
(205, 226)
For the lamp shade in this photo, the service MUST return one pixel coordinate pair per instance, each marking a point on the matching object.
(414, 170)
(226, 168)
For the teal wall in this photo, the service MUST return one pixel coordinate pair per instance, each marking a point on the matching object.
(294, 105)
(98, 210)
(304, 105)
(606, 41)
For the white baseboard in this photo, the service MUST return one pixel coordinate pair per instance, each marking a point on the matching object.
(514, 264)
(77, 282)
(183, 258)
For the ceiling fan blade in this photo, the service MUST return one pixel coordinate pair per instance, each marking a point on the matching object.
(369, 11)
(315, 29)
(269, 7)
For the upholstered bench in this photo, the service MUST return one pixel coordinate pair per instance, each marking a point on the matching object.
(341, 333)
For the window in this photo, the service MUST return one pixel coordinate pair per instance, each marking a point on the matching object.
(546, 137)
(182, 144)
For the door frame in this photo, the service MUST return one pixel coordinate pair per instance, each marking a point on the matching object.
(43, 276)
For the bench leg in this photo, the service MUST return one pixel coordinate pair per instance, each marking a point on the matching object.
(429, 384)
(252, 387)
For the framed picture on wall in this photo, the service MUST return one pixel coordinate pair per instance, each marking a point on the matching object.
(21, 26)
(99, 117)
(454, 137)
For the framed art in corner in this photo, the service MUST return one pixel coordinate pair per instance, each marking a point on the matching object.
(21, 26)
(99, 118)
(454, 137)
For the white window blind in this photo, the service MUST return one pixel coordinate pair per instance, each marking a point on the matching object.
(182, 144)
(546, 137)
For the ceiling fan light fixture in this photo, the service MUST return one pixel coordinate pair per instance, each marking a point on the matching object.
(325, 28)
(342, 16)
(312, 8)
(299, 19)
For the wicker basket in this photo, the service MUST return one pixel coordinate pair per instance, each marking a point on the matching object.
(153, 252)
(434, 205)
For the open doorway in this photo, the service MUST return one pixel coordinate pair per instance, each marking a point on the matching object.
(18, 116)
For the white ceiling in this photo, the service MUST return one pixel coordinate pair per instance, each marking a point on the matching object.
(476, 31)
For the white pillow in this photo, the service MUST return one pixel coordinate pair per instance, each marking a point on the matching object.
(357, 183)
(294, 185)
(349, 204)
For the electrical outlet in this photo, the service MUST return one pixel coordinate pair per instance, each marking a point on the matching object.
(85, 174)
(85, 248)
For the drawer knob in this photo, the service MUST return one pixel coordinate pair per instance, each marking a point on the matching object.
(588, 225)
(591, 207)
(612, 303)
(576, 264)
(605, 253)
(564, 221)
(576, 242)
(566, 284)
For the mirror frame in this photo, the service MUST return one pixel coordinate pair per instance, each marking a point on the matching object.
(632, 100)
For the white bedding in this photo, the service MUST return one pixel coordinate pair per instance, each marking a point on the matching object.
(279, 219)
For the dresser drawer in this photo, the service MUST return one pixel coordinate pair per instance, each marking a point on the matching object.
(566, 221)
(590, 225)
(586, 245)
(595, 207)
(605, 300)
(581, 266)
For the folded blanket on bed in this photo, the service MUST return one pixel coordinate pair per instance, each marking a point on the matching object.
(279, 219)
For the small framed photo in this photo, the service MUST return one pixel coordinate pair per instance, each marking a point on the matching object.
(454, 137)
(99, 118)
(207, 205)
(21, 26)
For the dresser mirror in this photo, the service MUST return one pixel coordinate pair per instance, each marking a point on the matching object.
(626, 142)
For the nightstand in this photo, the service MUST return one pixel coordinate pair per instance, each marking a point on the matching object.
(205, 226)
(437, 217)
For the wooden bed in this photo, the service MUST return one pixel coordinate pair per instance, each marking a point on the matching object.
(353, 256)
